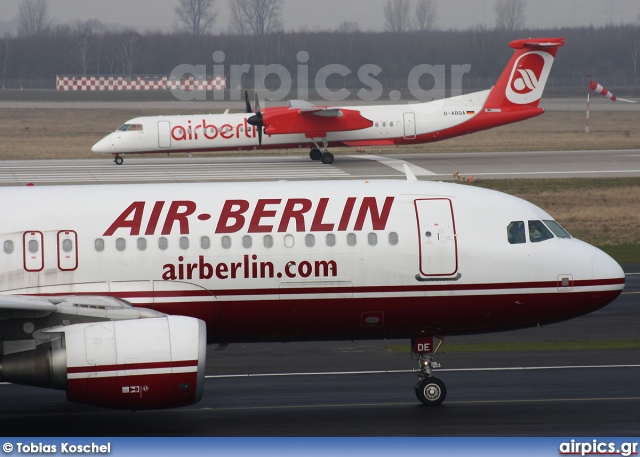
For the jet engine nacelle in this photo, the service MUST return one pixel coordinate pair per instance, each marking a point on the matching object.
(131, 364)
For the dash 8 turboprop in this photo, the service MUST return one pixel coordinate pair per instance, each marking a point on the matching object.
(113, 292)
(515, 97)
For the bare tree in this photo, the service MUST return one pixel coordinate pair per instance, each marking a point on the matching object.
(257, 17)
(510, 14)
(348, 27)
(196, 16)
(33, 17)
(82, 53)
(129, 52)
(397, 15)
(634, 55)
(7, 57)
(426, 15)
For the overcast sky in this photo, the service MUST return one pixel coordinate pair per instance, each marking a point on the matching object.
(327, 14)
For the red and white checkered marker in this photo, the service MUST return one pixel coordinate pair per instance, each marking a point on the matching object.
(594, 86)
(101, 83)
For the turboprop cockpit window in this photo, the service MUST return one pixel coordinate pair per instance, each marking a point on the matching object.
(131, 128)
(539, 232)
(515, 233)
(557, 229)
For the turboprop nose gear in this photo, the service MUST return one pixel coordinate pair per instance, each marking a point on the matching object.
(118, 159)
(430, 390)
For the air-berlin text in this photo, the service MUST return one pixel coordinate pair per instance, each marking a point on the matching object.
(265, 215)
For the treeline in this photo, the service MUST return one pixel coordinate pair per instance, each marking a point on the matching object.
(607, 51)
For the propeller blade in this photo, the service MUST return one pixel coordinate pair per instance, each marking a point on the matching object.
(260, 136)
(248, 103)
(257, 103)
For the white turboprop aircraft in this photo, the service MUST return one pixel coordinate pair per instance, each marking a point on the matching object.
(113, 292)
(514, 98)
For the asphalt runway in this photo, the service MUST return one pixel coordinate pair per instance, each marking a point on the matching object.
(432, 166)
(364, 388)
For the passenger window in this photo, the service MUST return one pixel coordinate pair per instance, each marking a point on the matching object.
(538, 232)
(247, 242)
(142, 244)
(163, 243)
(515, 233)
(226, 242)
(557, 229)
(393, 238)
(310, 240)
(289, 241)
(390, 124)
(372, 239)
(99, 244)
(351, 239)
(184, 242)
(205, 242)
(8, 247)
(331, 239)
(121, 244)
(268, 241)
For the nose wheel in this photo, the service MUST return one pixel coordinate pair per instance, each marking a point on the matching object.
(117, 159)
(430, 390)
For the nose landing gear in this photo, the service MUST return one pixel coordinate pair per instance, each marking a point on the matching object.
(117, 159)
(430, 390)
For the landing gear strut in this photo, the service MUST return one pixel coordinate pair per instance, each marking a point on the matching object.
(117, 159)
(321, 154)
(430, 390)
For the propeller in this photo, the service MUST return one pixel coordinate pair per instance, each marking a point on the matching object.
(255, 120)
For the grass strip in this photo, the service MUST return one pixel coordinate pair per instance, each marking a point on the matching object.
(586, 345)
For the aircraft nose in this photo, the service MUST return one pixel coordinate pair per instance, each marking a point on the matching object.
(103, 146)
(604, 267)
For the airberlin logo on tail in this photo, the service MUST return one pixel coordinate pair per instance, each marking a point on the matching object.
(528, 77)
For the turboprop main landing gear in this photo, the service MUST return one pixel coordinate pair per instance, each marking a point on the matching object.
(315, 154)
(430, 390)
(117, 159)
(321, 154)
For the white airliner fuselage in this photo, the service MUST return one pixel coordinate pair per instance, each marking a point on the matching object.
(274, 261)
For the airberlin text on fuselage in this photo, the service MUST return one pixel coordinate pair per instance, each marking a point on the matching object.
(262, 216)
(197, 130)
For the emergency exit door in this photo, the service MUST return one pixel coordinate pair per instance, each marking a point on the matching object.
(437, 237)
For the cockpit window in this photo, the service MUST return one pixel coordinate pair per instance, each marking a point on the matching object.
(131, 128)
(557, 229)
(516, 233)
(538, 232)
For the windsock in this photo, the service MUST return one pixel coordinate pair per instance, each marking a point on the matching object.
(594, 86)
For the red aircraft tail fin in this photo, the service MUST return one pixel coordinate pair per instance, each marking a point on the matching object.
(523, 79)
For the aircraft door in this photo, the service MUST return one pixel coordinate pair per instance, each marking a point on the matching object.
(437, 238)
(409, 126)
(67, 250)
(164, 134)
(33, 252)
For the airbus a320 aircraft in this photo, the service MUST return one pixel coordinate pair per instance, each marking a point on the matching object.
(113, 292)
(515, 97)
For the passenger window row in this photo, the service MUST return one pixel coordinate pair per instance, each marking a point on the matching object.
(247, 242)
